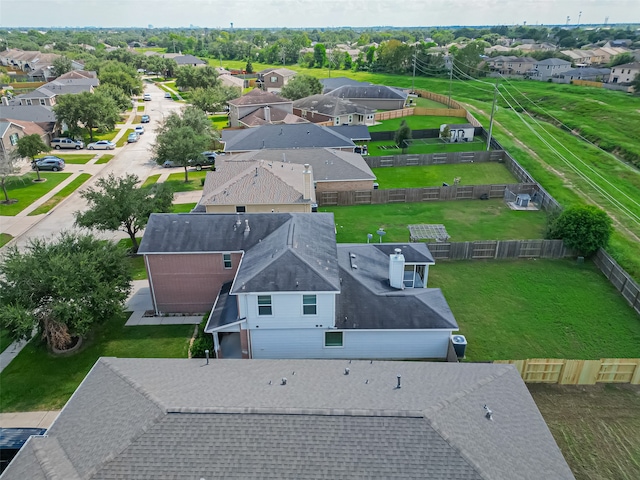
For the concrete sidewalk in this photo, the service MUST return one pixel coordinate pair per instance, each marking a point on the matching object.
(42, 419)
(139, 303)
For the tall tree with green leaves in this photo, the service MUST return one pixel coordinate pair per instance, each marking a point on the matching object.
(29, 147)
(61, 65)
(211, 100)
(319, 55)
(402, 135)
(301, 86)
(8, 168)
(62, 287)
(118, 204)
(584, 228)
(116, 93)
(189, 77)
(87, 110)
(122, 75)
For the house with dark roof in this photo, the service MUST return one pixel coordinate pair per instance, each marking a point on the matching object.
(307, 135)
(591, 74)
(38, 114)
(332, 83)
(141, 418)
(183, 60)
(258, 107)
(273, 79)
(378, 97)
(276, 285)
(335, 110)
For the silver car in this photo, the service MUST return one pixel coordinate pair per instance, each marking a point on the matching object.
(102, 145)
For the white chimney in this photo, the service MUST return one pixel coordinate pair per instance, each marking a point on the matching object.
(247, 229)
(307, 182)
(267, 114)
(396, 269)
(5, 101)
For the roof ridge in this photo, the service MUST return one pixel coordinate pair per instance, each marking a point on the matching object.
(135, 385)
(335, 412)
(50, 466)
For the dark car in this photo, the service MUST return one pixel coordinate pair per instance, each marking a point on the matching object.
(208, 159)
(145, 119)
(50, 162)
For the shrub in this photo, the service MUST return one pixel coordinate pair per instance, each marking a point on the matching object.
(583, 228)
(202, 342)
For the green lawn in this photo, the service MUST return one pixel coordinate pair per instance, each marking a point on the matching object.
(140, 108)
(36, 380)
(433, 175)
(219, 121)
(465, 220)
(102, 136)
(105, 158)
(520, 309)
(136, 262)
(5, 340)
(176, 180)
(62, 194)
(5, 238)
(182, 207)
(123, 139)
(79, 159)
(151, 180)
(381, 148)
(426, 103)
(416, 122)
(26, 191)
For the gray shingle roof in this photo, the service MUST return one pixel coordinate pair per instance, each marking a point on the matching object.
(307, 135)
(332, 83)
(354, 132)
(258, 97)
(180, 419)
(368, 91)
(331, 106)
(31, 113)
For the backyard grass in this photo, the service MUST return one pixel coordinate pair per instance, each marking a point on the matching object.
(26, 191)
(61, 195)
(5, 238)
(388, 147)
(219, 121)
(597, 427)
(136, 262)
(140, 108)
(176, 180)
(110, 135)
(123, 140)
(5, 340)
(415, 122)
(465, 220)
(426, 103)
(518, 309)
(182, 207)
(105, 158)
(484, 173)
(151, 180)
(79, 159)
(37, 380)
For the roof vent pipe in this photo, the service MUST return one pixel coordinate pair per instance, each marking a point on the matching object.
(283, 381)
(346, 371)
(206, 354)
(247, 229)
(399, 378)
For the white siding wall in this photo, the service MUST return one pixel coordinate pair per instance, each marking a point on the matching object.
(287, 311)
(309, 343)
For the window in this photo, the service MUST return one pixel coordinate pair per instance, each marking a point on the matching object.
(42, 102)
(241, 209)
(309, 305)
(264, 305)
(13, 139)
(226, 259)
(414, 276)
(333, 339)
(274, 79)
(28, 101)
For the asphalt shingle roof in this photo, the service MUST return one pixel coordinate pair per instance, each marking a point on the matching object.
(368, 91)
(31, 113)
(331, 106)
(181, 419)
(258, 97)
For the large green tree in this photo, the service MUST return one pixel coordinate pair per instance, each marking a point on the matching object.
(87, 110)
(122, 75)
(62, 287)
(468, 58)
(214, 99)
(584, 228)
(301, 86)
(61, 65)
(402, 135)
(118, 204)
(189, 77)
(319, 55)
(182, 138)
(122, 99)
(29, 147)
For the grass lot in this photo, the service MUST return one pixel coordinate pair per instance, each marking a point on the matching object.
(79, 159)
(105, 158)
(141, 108)
(426, 103)
(597, 427)
(36, 380)
(136, 262)
(110, 135)
(176, 180)
(182, 207)
(151, 180)
(464, 220)
(5, 341)
(61, 195)
(5, 238)
(219, 121)
(415, 122)
(387, 147)
(26, 191)
(123, 140)
(434, 175)
(517, 309)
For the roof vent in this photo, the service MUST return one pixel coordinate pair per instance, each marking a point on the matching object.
(346, 371)
(488, 414)
(283, 381)
(399, 378)
(247, 229)
(396, 269)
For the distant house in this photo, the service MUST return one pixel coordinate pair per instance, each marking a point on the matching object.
(588, 73)
(36, 65)
(47, 93)
(378, 97)
(332, 83)
(260, 108)
(625, 74)
(338, 111)
(511, 65)
(38, 114)
(160, 418)
(229, 80)
(607, 53)
(307, 135)
(185, 60)
(273, 79)
(546, 69)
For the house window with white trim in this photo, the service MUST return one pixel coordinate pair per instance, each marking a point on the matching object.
(414, 276)
(42, 101)
(226, 260)
(29, 101)
(333, 339)
(13, 138)
(264, 305)
(274, 79)
(309, 305)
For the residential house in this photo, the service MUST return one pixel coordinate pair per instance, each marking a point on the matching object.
(273, 79)
(591, 74)
(161, 418)
(240, 185)
(625, 74)
(229, 80)
(511, 65)
(536, 47)
(36, 65)
(81, 76)
(545, 69)
(605, 54)
(307, 135)
(185, 60)
(47, 93)
(258, 107)
(579, 58)
(332, 170)
(378, 97)
(279, 286)
(338, 111)
(620, 43)
(332, 83)
(12, 130)
(38, 114)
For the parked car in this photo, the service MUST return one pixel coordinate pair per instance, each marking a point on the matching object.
(145, 119)
(147, 97)
(133, 137)
(50, 162)
(59, 143)
(139, 129)
(102, 145)
(208, 160)
(167, 95)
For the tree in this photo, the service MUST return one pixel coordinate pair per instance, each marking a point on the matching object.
(118, 204)
(319, 55)
(29, 146)
(182, 139)
(249, 67)
(621, 59)
(8, 168)
(301, 86)
(88, 110)
(583, 228)
(211, 100)
(347, 61)
(116, 93)
(189, 77)
(468, 58)
(61, 65)
(121, 75)
(402, 135)
(62, 288)
(636, 85)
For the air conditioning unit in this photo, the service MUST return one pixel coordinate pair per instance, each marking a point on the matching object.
(459, 345)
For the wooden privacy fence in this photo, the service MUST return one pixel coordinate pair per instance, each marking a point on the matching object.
(619, 278)
(415, 195)
(434, 159)
(388, 115)
(578, 372)
(499, 249)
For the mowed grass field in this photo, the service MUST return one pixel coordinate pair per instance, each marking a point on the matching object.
(381, 148)
(26, 191)
(597, 427)
(518, 309)
(465, 220)
(415, 122)
(434, 175)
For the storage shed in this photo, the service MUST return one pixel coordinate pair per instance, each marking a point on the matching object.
(458, 133)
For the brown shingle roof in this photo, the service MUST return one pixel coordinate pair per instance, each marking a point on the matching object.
(258, 97)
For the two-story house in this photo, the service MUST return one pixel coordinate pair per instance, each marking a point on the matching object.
(546, 69)
(625, 73)
(334, 110)
(278, 286)
(273, 79)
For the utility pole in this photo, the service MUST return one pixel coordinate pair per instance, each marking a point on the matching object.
(493, 109)
(450, 79)
(413, 80)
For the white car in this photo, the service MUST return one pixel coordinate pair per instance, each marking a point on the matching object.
(139, 129)
(146, 97)
(102, 145)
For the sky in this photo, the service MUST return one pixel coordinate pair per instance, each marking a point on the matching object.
(311, 13)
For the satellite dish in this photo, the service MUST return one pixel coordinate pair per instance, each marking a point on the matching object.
(369, 237)
(381, 233)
